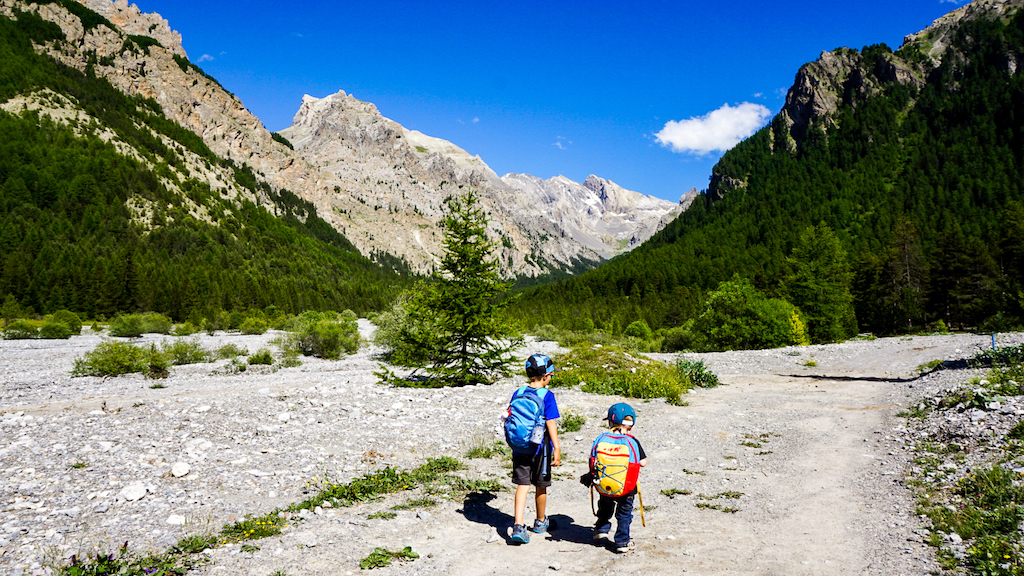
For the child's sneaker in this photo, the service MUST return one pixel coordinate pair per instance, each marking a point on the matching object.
(599, 535)
(540, 526)
(622, 549)
(520, 535)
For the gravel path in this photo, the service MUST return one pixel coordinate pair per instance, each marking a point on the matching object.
(816, 454)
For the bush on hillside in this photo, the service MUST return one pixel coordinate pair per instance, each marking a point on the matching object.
(253, 325)
(638, 329)
(325, 335)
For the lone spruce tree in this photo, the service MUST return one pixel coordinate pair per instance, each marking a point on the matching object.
(470, 340)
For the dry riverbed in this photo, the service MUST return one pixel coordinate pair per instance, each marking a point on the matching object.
(806, 464)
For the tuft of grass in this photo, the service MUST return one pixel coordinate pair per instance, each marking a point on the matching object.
(482, 450)
(383, 515)
(186, 351)
(381, 557)
(230, 351)
(571, 421)
(252, 528)
(262, 357)
(78, 465)
(673, 492)
(376, 485)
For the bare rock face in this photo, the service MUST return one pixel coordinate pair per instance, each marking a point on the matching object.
(375, 158)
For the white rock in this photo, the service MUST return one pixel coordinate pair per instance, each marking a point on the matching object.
(284, 417)
(176, 520)
(133, 492)
(180, 469)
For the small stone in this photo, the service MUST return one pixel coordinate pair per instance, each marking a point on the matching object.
(180, 469)
(133, 492)
(423, 514)
(555, 566)
(284, 417)
(493, 536)
(176, 520)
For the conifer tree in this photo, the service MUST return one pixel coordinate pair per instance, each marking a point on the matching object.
(472, 340)
(818, 282)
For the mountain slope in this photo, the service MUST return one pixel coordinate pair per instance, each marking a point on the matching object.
(913, 158)
(108, 206)
(404, 176)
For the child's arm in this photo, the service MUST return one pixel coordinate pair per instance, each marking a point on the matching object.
(643, 462)
(556, 456)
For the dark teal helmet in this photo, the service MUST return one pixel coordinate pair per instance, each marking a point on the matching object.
(619, 412)
(539, 365)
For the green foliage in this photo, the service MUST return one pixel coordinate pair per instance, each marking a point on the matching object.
(54, 331)
(113, 358)
(253, 325)
(10, 309)
(186, 351)
(639, 329)
(135, 325)
(488, 450)
(610, 370)
(381, 557)
(571, 421)
(455, 327)
(920, 185)
(279, 138)
(697, 373)
(69, 235)
(20, 330)
(262, 356)
(184, 329)
(387, 481)
(125, 562)
(325, 335)
(738, 317)
(252, 528)
(67, 318)
(817, 280)
(231, 351)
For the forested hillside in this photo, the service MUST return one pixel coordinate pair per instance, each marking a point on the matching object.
(106, 206)
(920, 175)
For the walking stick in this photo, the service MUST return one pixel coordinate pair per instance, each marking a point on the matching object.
(641, 497)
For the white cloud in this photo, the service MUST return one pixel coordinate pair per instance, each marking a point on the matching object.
(717, 130)
(476, 120)
(206, 58)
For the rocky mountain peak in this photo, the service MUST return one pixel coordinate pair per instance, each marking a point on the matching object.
(133, 21)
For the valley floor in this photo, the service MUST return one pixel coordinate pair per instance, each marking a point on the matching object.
(815, 453)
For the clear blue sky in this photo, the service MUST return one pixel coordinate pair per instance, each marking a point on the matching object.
(647, 94)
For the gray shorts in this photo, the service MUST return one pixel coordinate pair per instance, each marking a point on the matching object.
(535, 469)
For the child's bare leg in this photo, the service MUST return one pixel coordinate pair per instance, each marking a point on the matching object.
(542, 502)
(522, 491)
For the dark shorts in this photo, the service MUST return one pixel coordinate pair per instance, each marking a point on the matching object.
(534, 470)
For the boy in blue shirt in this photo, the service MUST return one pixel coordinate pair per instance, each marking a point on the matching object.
(535, 468)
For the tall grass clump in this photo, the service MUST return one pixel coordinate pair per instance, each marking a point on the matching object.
(611, 370)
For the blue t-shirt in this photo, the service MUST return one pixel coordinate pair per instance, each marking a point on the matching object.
(550, 412)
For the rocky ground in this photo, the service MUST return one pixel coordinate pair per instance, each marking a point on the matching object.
(816, 454)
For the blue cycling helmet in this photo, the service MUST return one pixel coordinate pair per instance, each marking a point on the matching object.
(617, 413)
(539, 365)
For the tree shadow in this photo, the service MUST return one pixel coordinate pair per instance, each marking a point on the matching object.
(477, 508)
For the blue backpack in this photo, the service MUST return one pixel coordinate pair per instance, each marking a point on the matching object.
(525, 423)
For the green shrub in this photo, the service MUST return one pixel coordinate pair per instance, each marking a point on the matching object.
(20, 330)
(638, 329)
(610, 370)
(231, 351)
(262, 356)
(67, 318)
(135, 325)
(113, 358)
(324, 335)
(55, 331)
(184, 329)
(697, 373)
(186, 351)
(739, 317)
(547, 332)
(253, 325)
(571, 421)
